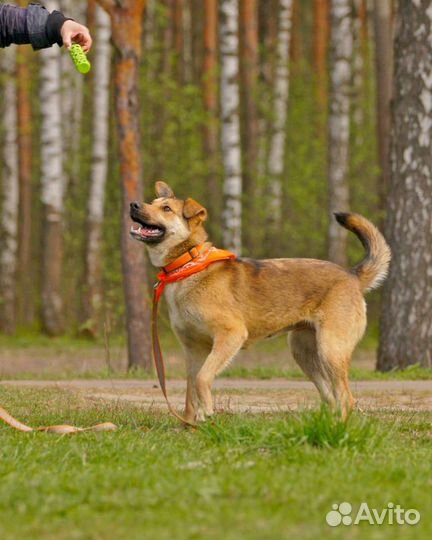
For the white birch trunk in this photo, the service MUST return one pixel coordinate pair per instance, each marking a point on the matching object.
(280, 109)
(100, 132)
(52, 184)
(358, 78)
(230, 130)
(341, 49)
(9, 195)
(72, 84)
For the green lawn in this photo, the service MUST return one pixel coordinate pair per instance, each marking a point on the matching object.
(239, 477)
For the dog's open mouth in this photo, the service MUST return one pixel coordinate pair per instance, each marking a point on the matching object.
(147, 232)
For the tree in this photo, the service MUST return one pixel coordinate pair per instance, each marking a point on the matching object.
(231, 147)
(100, 130)
(276, 158)
(341, 48)
(210, 99)
(249, 78)
(10, 195)
(382, 18)
(126, 24)
(25, 152)
(53, 187)
(71, 101)
(320, 47)
(406, 323)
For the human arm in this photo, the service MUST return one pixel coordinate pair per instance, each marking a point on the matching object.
(35, 25)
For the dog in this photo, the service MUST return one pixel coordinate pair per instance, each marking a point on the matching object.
(236, 303)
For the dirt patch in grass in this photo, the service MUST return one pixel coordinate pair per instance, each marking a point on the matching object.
(239, 395)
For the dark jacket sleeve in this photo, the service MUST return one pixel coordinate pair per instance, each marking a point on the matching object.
(34, 25)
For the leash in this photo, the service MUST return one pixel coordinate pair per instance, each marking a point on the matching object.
(193, 261)
(60, 430)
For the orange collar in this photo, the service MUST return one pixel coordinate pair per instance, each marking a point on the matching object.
(193, 261)
(190, 255)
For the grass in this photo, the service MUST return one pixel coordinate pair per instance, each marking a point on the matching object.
(255, 477)
(411, 373)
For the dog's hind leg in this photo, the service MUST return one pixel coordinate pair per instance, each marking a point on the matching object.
(225, 346)
(305, 351)
(335, 347)
(337, 335)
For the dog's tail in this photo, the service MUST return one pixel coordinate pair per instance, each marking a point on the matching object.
(372, 271)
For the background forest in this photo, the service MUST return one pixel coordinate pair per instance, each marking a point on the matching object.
(265, 111)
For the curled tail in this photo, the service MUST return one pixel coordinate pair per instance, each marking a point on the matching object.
(372, 271)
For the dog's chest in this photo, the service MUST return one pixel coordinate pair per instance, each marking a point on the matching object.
(183, 314)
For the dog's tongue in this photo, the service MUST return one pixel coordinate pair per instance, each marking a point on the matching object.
(150, 231)
(146, 231)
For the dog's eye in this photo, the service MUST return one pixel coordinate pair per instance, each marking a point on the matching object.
(166, 209)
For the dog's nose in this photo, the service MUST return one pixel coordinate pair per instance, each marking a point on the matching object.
(135, 205)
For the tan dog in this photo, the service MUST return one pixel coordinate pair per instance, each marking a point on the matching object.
(233, 304)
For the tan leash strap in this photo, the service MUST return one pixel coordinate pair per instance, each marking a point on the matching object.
(157, 354)
(61, 429)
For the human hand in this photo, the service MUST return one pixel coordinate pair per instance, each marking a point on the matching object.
(73, 32)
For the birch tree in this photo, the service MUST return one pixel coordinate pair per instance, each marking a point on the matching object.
(230, 130)
(382, 18)
(406, 321)
(10, 194)
(341, 48)
(249, 78)
(280, 110)
(126, 25)
(72, 84)
(99, 166)
(52, 186)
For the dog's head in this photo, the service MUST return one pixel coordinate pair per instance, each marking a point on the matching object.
(167, 222)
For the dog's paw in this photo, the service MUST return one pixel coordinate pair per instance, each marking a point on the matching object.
(202, 415)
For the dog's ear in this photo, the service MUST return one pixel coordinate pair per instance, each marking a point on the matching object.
(163, 190)
(192, 209)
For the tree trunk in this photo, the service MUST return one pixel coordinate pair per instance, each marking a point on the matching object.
(382, 17)
(249, 76)
(179, 38)
(24, 115)
(102, 67)
(53, 185)
(231, 148)
(10, 195)
(126, 23)
(296, 45)
(210, 98)
(320, 47)
(339, 124)
(406, 322)
(276, 162)
(71, 102)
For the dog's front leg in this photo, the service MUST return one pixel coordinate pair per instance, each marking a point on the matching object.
(225, 346)
(195, 354)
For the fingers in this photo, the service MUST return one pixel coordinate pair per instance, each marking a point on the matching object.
(73, 32)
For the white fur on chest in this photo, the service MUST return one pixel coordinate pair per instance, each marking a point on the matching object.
(184, 315)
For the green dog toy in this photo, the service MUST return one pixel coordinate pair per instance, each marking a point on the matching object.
(79, 58)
